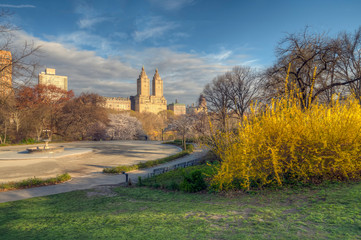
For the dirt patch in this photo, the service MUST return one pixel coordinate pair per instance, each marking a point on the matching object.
(103, 191)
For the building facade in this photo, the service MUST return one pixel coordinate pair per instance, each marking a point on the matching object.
(118, 103)
(143, 101)
(177, 108)
(5, 73)
(49, 78)
(201, 108)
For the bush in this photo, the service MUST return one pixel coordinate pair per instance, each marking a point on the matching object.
(28, 141)
(286, 145)
(193, 182)
(34, 182)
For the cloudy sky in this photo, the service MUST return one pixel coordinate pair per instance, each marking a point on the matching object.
(101, 45)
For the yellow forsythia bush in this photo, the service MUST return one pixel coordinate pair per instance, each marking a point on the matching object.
(287, 144)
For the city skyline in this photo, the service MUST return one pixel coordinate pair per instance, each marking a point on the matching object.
(102, 45)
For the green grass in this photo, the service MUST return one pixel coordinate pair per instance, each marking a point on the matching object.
(330, 211)
(34, 182)
(172, 180)
(148, 164)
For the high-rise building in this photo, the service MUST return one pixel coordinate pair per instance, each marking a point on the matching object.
(5, 73)
(143, 101)
(49, 78)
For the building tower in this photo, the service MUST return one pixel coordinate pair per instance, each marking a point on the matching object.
(202, 102)
(157, 85)
(50, 78)
(143, 101)
(143, 88)
(5, 73)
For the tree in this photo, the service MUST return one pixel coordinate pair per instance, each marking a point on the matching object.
(78, 115)
(21, 68)
(184, 126)
(5, 117)
(349, 65)
(244, 83)
(24, 59)
(153, 124)
(123, 127)
(317, 65)
(232, 93)
(218, 98)
(38, 107)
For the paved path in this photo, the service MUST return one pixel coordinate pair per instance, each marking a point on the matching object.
(90, 181)
(15, 165)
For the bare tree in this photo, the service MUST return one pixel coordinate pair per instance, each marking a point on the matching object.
(20, 67)
(349, 65)
(245, 85)
(318, 65)
(24, 58)
(232, 93)
(218, 98)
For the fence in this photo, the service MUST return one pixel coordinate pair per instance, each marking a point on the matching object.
(157, 171)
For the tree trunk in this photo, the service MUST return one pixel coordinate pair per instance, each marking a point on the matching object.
(184, 143)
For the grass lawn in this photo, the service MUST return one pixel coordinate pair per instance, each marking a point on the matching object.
(330, 211)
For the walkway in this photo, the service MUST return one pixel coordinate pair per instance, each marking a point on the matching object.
(78, 159)
(91, 181)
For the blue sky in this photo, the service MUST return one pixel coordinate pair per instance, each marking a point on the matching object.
(101, 45)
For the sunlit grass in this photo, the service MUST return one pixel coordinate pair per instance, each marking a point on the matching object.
(319, 212)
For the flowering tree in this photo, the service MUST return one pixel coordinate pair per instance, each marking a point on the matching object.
(123, 127)
(184, 125)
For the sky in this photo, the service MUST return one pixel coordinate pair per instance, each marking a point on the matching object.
(101, 45)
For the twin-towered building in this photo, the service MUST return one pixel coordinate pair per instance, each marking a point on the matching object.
(148, 99)
(145, 100)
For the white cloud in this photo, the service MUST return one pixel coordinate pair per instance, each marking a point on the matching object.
(172, 5)
(152, 27)
(223, 55)
(89, 15)
(184, 74)
(86, 71)
(83, 39)
(90, 22)
(16, 6)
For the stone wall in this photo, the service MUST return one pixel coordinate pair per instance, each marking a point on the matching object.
(118, 103)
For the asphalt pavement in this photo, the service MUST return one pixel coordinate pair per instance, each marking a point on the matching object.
(92, 179)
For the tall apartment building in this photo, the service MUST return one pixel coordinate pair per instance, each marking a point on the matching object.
(143, 101)
(5, 73)
(49, 78)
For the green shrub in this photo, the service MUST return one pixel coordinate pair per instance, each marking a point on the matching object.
(28, 141)
(193, 182)
(173, 186)
(190, 148)
(34, 182)
(120, 169)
